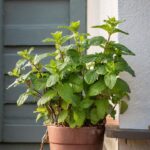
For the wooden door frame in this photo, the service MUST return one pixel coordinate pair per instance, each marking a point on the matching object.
(1, 68)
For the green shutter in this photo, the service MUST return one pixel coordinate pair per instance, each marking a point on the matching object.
(26, 24)
(1, 68)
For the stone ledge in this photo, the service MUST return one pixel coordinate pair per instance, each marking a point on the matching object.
(113, 131)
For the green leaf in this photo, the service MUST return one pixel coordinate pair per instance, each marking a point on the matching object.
(91, 76)
(124, 50)
(39, 116)
(38, 83)
(57, 35)
(79, 117)
(121, 86)
(71, 122)
(30, 50)
(110, 80)
(22, 98)
(123, 107)
(102, 108)
(105, 27)
(62, 116)
(97, 41)
(116, 30)
(41, 109)
(123, 66)
(75, 25)
(89, 58)
(20, 63)
(47, 97)
(101, 70)
(38, 58)
(77, 83)
(93, 116)
(96, 88)
(66, 92)
(113, 22)
(73, 55)
(65, 105)
(66, 38)
(52, 80)
(86, 103)
(48, 40)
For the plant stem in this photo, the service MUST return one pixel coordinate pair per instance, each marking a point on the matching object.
(51, 111)
(108, 40)
(36, 68)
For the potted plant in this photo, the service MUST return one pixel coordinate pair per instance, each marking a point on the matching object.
(75, 91)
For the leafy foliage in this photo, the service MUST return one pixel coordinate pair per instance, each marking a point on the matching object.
(75, 89)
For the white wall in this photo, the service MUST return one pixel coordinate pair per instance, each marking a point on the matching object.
(137, 15)
(98, 10)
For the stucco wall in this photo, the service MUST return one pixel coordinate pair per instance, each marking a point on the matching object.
(137, 15)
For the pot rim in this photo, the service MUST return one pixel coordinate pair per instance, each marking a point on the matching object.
(84, 127)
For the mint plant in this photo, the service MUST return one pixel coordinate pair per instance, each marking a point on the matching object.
(74, 88)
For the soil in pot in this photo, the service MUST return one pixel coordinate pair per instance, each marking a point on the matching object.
(85, 138)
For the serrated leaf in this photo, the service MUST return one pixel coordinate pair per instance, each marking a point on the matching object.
(49, 95)
(52, 80)
(39, 57)
(105, 27)
(123, 107)
(96, 88)
(89, 58)
(73, 55)
(57, 35)
(30, 50)
(39, 116)
(102, 108)
(86, 103)
(101, 70)
(62, 116)
(38, 83)
(77, 83)
(71, 122)
(48, 40)
(124, 50)
(64, 39)
(20, 63)
(123, 66)
(110, 80)
(121, 86)
(40, 109)
(66, 92)
(65, 105)
(97, 41)
(93, 116)
(91, 76)
(75, 25)
(22, 98)
(79, 117)
(116, 30)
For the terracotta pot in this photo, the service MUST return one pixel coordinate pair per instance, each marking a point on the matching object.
(86, 138)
